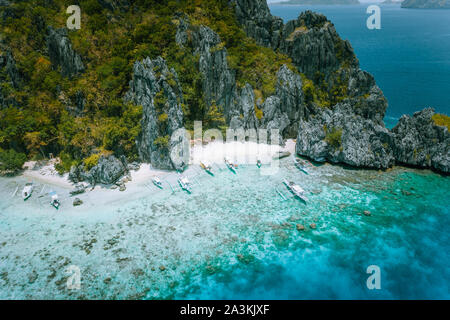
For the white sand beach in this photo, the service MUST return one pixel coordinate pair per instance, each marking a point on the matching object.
(242, 153)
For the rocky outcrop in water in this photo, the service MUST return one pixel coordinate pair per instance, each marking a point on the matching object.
(330, 63)
(426, 4)
(108, 170)
(61, 53)
(340, 136)
(419, 141)
(157, 89)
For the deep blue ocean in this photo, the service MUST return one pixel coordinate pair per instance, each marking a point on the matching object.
(409, 56)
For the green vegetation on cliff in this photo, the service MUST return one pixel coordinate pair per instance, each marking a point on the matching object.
(82, 116)
(441, 120)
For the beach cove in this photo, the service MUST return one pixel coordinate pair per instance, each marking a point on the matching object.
(233, 237)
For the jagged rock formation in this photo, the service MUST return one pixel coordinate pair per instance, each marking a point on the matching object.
(9, 74)
(281, 111)
(157, 89)
(108, 171)
(426, 4)
(284, 110)
(62, 54)
(323, 57)
(219, 83)
(340, 136)
(418, 141)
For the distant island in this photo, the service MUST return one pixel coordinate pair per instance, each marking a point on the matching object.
(392, 1)
(426, 4)
(319, 2)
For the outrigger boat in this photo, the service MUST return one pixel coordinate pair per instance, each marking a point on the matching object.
(54, 201)
(185, 184)
(207, 167)
(296, 190)
(230, 165)
(301, 165)
(157, 182)
(27, 191)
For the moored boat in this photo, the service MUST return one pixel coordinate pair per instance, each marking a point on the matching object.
(301, 165)
(296, 190)
(207, 167)
(185, 184)
(230, 165)
(54, 200)
(157, 182)
(27, 191)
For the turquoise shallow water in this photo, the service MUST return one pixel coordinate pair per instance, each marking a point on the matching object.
(235, 238)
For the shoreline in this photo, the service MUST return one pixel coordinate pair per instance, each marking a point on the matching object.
(212, 152)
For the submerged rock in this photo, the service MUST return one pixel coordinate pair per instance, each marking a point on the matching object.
(77, 202)
(419, 141)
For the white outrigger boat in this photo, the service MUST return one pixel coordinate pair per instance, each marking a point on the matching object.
(27, 191)
(185, 184)
(230, 165)
(301, 165)
(296, 190)
(157, 182)
(207, 167)
(54, 200)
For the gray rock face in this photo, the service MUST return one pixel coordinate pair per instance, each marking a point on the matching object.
(258, 22)
(314, 45)
(340, 136)
(108, 171)
(75, 104)
(356, 134)
(284, 110)
(317, 51)
(157, 89)
(8, 74)
(62, 54)
(219, 84)
(418, 141)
